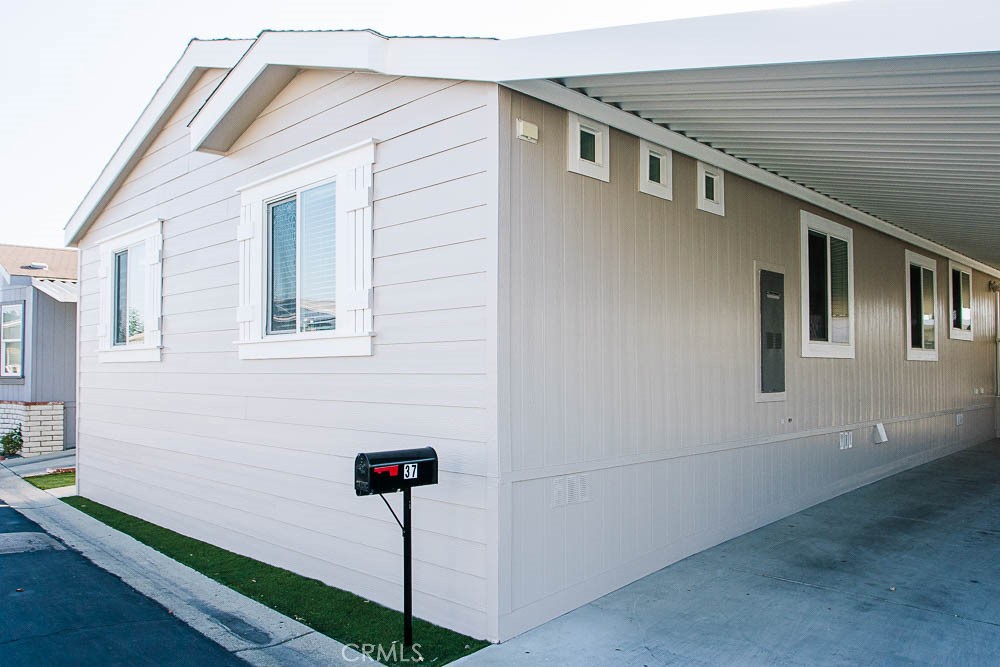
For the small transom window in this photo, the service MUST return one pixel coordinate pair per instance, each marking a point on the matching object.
(711, 189)
(655, 170)
(588, 143)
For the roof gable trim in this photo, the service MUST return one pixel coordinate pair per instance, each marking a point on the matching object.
(197, 58)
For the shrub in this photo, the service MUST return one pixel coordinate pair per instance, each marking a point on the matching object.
(12, 442)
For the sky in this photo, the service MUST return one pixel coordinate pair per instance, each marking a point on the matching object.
(76, 75)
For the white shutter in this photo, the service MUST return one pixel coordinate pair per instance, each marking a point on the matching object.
(248, 234)
(105, 295)
(354, 249)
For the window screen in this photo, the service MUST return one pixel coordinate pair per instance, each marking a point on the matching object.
(961, 300)
(921, 308)
(318, 309)
(282, 296)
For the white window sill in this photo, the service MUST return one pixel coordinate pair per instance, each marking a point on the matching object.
(129, 354)
(921, 355)
(960, 334)
(815, 349)
(772, 397)
(301, 347)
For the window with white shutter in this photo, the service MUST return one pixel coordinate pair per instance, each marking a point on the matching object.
(130, 276)
(305, 250)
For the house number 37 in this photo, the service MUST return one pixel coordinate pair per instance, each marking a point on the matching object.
(409, 471)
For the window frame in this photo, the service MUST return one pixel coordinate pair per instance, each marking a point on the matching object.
(150, 234)
(929, 263)
(600, 168)
(953, 333)
(3, 347)
(825, 349)
(717, 205)
(664, 188)
(351, 170)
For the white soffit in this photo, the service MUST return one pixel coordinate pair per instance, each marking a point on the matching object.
(199, 56)
(913, 141)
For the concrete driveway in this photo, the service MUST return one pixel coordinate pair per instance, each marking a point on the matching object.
(905, 571)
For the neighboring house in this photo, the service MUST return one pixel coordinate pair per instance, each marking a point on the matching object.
(38, 294)
(625, 344)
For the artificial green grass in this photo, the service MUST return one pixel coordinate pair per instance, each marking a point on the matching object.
(53, 480)
(346, 617)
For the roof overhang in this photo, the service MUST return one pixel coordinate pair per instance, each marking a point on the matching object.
(199, 56)
(64, 291)
(886, 112)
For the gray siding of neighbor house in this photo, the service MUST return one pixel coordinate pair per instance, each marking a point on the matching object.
(257, 455)
(627, 357)
(53, 367)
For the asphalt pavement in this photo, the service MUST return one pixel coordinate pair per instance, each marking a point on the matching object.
(58, 608)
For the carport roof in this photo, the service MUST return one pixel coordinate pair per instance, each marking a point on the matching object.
(886, 112)
(914, 141)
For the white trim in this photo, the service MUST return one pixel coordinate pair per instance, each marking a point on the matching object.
(150, 233)
(953, 333)
(300, 347)
(717, 204)
(351, 169)
(554, 93)
(812, 348)
(24, 335)
(600, 168)
(196, 59)
(664, 188)
(915, 354)
(758, 396)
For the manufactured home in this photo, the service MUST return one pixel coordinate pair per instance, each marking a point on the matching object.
(643, 289)
(38, 294)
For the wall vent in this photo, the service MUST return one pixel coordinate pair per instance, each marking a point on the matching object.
(570, 490)
(959, 419)
(846, 439)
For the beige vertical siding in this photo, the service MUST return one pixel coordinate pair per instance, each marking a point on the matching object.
(628, 356)
(257, 456)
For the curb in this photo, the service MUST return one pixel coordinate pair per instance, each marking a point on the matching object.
(244, 627)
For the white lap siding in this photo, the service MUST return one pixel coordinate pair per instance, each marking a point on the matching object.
(257, 456)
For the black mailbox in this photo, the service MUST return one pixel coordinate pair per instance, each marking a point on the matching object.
(397, 470)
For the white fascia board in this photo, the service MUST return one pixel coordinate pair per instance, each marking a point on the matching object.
(571, 100)
(198, 57)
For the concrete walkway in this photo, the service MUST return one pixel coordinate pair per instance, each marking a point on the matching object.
(117, 582)
(39, 465)
(905, 571)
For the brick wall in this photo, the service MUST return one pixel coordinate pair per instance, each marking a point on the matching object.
(41, 425)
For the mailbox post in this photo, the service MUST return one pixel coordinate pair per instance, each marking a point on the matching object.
(388, 472)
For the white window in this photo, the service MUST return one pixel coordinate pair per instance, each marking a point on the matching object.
(827, 268)
(921, 288)
(131, 279)
(306, 260)
(711, 189)
(960, 301)
(12, 340)
(588, 144)
(655, 170)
